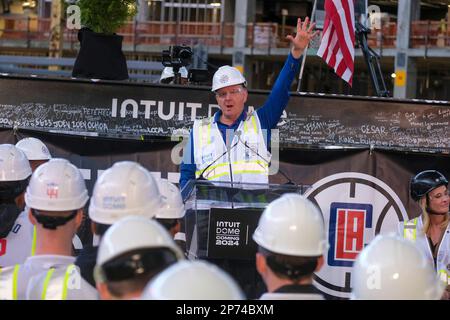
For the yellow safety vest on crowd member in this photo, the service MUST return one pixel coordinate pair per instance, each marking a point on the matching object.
(14, 280)
(412, 230)
(20, 242)
(242, 163)
(60, 284)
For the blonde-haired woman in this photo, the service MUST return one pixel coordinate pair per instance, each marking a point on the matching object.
(431, 230)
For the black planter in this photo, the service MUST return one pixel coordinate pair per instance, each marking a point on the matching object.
(100, 57)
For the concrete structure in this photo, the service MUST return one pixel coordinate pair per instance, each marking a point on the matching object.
(414, 41)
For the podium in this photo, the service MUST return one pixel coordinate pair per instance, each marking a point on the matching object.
(220, 220)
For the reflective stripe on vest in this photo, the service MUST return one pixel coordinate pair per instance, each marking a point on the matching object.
(15, 277)
(69, 270)
(255, 126)
(33, 244)
(209, 145)
(46, 281)
(444, 276)
(9, 284)
(63, 293)
(410, 229)
(239, 167)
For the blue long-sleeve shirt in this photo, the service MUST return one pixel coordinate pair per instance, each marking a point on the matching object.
(269, 115)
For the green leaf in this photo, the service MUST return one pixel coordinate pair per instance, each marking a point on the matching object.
(106, 16)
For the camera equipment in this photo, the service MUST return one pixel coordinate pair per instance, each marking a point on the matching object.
(177, 57)
(199, 76)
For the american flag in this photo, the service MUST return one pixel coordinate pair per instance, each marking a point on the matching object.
(338, 38)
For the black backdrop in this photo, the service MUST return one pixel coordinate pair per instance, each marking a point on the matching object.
(320, 136)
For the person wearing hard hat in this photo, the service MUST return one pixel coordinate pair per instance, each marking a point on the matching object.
(35, 150)
(37, 153)
(125, 189)
(192, 280)
(16, 231)
(169, 216)
(168, 76)
(430, 231)
(133, 251)
(56, 196)
(392, 268)
(291, 243)
(173, 212)
(231, 145)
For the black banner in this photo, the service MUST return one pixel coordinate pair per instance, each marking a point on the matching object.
(306, 166)
(373, 179)
(385, 143)
(141, 112)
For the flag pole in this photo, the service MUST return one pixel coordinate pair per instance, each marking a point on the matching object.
(302, 67)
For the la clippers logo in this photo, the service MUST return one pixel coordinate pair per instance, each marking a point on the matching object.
(52, 190)
(355, 207)
(348, 222)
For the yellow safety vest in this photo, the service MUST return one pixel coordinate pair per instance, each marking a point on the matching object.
(247, 159)
(412, 232)
(56, 288)
(9, 288)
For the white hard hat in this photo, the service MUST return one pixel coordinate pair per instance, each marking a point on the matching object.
(227, 76)
(125, 189)
(34, 149)
(14, 165)
(292, 225)
(133, 233)
(174, 206)
(56, 185)
(192, 280)
(392, 268)
(168, 73)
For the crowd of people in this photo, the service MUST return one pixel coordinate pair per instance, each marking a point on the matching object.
(137, 218)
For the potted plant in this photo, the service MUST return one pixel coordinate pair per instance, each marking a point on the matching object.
(100, 54)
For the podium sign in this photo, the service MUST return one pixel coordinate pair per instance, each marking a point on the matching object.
(230, 233)
(221, 216)
(220, 220)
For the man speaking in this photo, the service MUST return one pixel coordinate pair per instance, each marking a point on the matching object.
(231, 145)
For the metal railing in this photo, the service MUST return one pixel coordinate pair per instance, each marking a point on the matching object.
(27, 30)
(62, 67)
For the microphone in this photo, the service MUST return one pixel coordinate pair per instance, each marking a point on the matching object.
(290, 182)
(201, 177)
